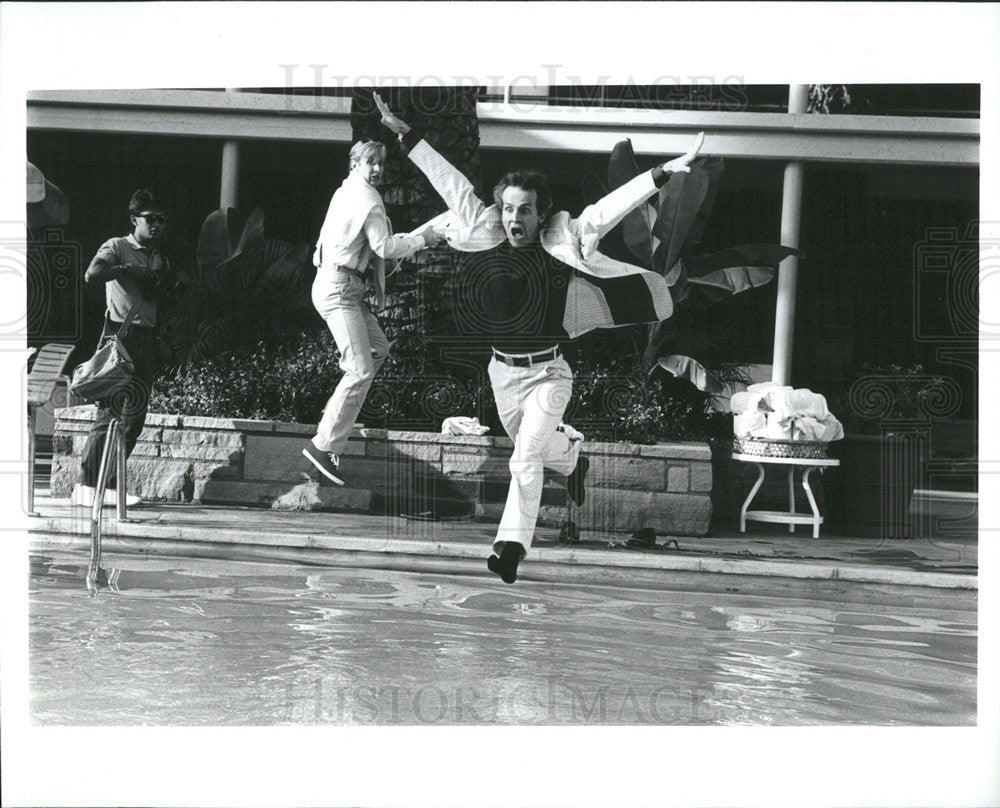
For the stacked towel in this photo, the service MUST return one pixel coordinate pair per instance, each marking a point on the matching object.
(777, 412)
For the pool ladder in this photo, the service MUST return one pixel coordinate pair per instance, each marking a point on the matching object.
(114, 453)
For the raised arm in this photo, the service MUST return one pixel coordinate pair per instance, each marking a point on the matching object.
(598, 219)
(453, 186)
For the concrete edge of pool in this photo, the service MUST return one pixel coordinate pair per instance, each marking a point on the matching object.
(632, 568)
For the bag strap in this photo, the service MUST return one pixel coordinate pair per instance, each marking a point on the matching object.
(127, 323)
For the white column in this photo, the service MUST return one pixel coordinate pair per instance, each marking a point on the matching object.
(230, 186)
(791, 217)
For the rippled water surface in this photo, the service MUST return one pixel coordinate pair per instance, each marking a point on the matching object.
(213, 643)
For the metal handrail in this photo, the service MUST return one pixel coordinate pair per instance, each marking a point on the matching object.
(115, 442)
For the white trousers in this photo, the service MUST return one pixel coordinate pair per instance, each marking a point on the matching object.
(531, 402)
(339, 298)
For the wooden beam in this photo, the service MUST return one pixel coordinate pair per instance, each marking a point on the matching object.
(749, 135)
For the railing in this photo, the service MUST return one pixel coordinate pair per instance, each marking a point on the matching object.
(114, 453)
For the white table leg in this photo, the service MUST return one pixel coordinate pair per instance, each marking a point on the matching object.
(812, 501)
(750, 496)
(791, 496)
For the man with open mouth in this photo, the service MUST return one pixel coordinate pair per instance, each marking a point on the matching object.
(534, 280)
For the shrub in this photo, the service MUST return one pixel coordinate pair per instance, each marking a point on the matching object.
(613, 399)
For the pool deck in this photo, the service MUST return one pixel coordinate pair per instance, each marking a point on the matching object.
(766, 559)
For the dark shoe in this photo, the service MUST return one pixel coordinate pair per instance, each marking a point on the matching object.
(643, 537)
(327, 462)
(505, 565)
(575, 481)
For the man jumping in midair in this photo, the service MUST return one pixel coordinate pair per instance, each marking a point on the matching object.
(539, 281)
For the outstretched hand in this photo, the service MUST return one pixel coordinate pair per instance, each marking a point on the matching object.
(682, 164)
(432, 236)
(389, 120)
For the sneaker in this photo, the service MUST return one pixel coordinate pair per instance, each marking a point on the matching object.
(575, 481)
(111, 498)
(328, 463)
(83, 496)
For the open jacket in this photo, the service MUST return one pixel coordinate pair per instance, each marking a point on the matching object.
(632, 295)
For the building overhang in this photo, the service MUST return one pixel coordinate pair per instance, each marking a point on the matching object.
(856, 139)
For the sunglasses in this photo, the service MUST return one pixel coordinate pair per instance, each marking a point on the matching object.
(153, 218)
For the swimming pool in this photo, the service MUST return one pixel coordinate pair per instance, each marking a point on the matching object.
(182, 642)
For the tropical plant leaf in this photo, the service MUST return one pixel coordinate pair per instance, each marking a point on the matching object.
(658, 333)
(214, 239)
(758, 255)
(680, 200)
(593, 188)
(713, 168)
(731, 281)
(282, 259)
(251, 242)
(684, 367)
(637, 225)
(676, 274)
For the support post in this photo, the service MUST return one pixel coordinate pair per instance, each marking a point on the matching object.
(230, 186)
(791, 218)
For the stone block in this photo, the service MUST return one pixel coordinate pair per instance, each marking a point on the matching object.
(198, 437)
(62, 444)
(292, 496)
(616, 510)
(159, 479)
(279, 457)
(294, 430)
(486, 464)
(65, 473)
(80, 413)
(145, 450)
(679, 450)
(427, 452)
(273, 458)
(73, 427)
(314, 497)
(151, 434)
(189, 452)
(701, 477)
(200, 422)
(678, 478)
(219, 471)
(623, 449)
(626, 471)
(162, 419)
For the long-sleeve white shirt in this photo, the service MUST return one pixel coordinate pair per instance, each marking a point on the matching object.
(356, 226)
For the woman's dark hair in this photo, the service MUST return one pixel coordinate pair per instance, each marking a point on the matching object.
(141, 200)
(528, 180)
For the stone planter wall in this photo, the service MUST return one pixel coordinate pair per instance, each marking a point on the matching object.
(182, 458)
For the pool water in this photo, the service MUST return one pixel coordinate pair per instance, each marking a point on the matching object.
(180, 642)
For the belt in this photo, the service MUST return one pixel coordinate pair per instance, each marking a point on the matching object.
(527, 360)
(351, 270)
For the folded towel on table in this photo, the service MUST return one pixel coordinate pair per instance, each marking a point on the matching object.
(745, 401)
(750, 424)
(789, 403)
